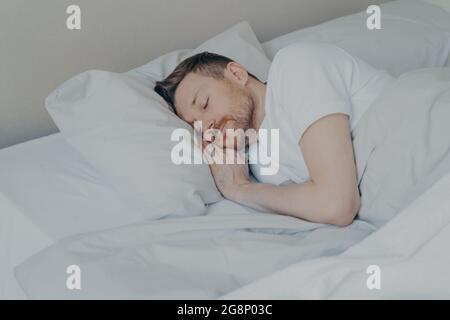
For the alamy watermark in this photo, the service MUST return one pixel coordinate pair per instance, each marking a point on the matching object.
(209, 147)
(373, 22)
(373, 281)
(73, 21)
(73, 281)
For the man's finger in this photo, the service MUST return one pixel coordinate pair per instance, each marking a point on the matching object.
(207, 156)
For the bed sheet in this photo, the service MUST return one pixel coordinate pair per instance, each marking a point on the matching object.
(19, 236)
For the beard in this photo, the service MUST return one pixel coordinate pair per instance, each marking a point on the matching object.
(240, 118)
(242, 108)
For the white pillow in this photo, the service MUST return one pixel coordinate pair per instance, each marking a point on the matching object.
(414, 35)
(59, 191)
(131, 146)
(123, 128)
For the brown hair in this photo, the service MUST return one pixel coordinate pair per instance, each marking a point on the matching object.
(206, 63)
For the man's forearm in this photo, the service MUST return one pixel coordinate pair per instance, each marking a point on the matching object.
(306, 201)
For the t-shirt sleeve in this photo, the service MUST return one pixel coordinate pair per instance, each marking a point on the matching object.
(312, 81)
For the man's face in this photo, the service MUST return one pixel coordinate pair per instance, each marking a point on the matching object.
(219, 103)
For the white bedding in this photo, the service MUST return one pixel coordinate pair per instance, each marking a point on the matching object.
(19, 239)
(24, 233)
(200, 257)
(42, 176)
(399, 154)
(411, 252)
(19, 236)
(48, 176)
(45, 176)
(40, 183)
(391, 48)
(48, 192)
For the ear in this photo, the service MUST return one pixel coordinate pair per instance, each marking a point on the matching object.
(236, 72)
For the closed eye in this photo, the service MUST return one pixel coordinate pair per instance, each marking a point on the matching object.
(206, 104)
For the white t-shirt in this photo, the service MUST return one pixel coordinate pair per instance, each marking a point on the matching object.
(306, 82)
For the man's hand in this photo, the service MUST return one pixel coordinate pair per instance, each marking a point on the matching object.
(228, 177)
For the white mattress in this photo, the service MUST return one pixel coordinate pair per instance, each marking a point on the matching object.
(19, 236)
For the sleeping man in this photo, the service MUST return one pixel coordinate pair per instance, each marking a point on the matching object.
(315, 94)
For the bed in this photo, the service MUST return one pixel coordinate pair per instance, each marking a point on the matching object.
(58, 209)
(25, 235)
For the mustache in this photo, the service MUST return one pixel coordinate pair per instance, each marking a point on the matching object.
(224, 121)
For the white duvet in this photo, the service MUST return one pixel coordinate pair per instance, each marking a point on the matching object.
(411, 252)
(199, 257)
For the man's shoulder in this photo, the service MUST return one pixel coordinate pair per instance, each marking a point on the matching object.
(309, 53)
(292, 61)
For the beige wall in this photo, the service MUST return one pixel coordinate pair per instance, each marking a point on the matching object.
(37, 52)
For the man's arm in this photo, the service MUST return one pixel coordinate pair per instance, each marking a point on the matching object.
(331, 196)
